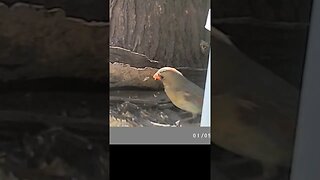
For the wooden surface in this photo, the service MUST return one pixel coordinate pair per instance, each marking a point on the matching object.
(170, 32)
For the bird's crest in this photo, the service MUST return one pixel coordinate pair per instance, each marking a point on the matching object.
(169, 69)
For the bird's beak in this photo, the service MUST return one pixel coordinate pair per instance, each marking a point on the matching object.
(156, 76)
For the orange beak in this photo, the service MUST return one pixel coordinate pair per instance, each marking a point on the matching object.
(156, 76)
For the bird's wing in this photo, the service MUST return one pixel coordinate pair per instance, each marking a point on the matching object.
(255, 128)
(272, 119)
(234, 72)
(193, 93)
(193, 98)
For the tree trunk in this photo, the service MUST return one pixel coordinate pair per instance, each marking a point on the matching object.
(171, 32)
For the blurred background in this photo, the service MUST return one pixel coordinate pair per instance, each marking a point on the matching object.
(53, 75)
(272, 33)
(266, 42)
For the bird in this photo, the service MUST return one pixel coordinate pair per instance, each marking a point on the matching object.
(253, 128)
(254, 111)
(183, 93)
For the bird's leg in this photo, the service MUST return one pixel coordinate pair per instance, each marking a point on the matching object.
(184, 122)
(194, 119)
(184, 113)
(189, 119)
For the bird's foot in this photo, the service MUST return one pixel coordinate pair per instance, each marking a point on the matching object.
(194, 119)
(188, 119)
(178, 123)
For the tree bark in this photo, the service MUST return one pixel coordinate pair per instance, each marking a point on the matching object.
(170, 32)
(38, 43)
(129, 69)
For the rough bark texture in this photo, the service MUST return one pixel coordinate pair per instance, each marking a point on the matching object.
(121, 55)
(123, 75)
(52, 112)
(167, 31)
(130, 69)
(40, 43)
(78, 8)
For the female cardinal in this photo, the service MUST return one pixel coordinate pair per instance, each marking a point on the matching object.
(183, 93)
(254, 111)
